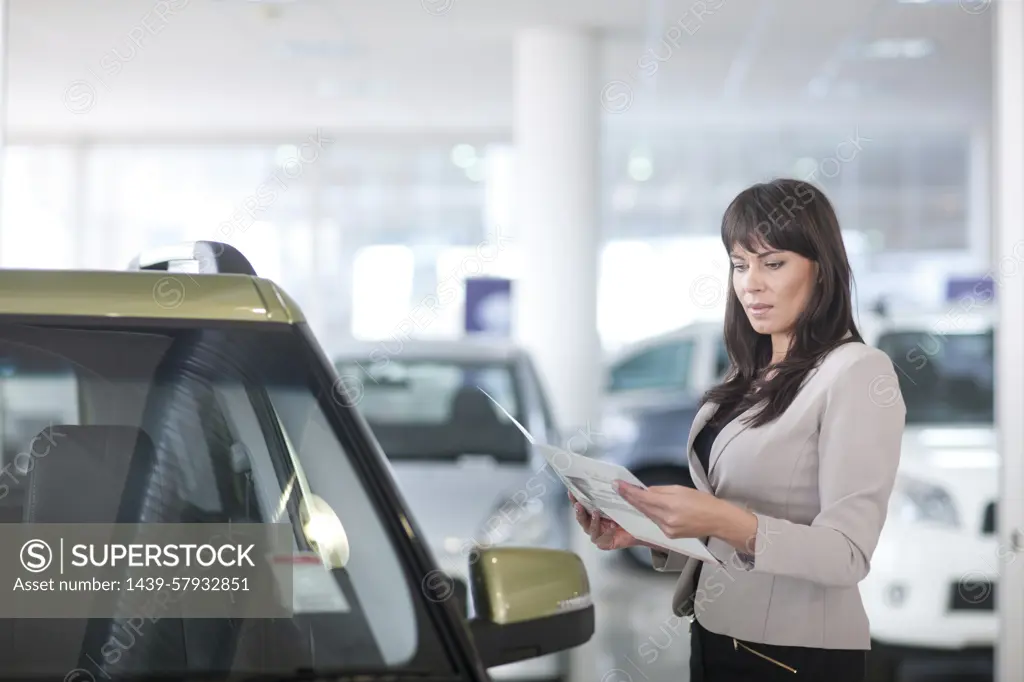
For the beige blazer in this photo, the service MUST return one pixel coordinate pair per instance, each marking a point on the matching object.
(818, 479)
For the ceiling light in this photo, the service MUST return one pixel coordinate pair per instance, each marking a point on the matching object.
(641, 166)
(641, 170)
(463, 155)
(899, 49)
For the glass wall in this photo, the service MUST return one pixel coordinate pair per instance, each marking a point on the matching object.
(362, 232)
(907, 191)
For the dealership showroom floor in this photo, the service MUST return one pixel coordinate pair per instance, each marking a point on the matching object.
(638, 640)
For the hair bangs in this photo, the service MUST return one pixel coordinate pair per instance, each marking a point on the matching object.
(766, 218)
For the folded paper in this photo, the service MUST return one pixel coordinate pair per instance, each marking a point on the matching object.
(592, 483)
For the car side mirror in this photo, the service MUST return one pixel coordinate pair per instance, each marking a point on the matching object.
(529, 602)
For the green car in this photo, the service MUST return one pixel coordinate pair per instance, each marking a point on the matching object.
(186, 390)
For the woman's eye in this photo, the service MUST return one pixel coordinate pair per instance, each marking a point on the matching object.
(775, 265)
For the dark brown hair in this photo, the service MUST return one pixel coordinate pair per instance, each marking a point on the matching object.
(784, 215)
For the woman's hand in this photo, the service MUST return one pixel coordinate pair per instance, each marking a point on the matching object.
(604, 533)
(682, 512)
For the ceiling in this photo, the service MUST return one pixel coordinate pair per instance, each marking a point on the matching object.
(123, 69)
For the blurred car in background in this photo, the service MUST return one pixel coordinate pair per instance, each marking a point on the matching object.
(652, 394)
(466, 470)
(931, 590)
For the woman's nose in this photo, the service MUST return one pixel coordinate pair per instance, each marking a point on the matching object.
(752, 281)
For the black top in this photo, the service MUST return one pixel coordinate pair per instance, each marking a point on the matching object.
(706, 438)
(703, 442)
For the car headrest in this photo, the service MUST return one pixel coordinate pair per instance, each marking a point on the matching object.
(88, 474)
(470, 405)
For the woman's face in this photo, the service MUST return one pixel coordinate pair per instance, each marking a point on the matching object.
(772, 286)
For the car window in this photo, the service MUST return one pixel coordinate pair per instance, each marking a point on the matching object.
(429, 409)
(663, 366)
(722, 361)
(34, 393)
(222, 423)
(944, 378)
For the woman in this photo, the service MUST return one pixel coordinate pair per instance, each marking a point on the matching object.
(793, 456)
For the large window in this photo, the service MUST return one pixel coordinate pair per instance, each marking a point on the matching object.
(417, 211)
(300, 212)
(906, 190)
(38, 209)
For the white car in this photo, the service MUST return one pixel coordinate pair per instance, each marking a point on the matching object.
(463, 467)
(931, 589)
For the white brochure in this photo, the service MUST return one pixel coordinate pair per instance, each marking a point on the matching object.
(592, 482)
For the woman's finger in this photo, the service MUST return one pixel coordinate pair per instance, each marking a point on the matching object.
(630, 493)
(580, 519)
(595, 526)
(606, 541)
(636, 497)
(583, 518)
(652, 502)
(613, 539)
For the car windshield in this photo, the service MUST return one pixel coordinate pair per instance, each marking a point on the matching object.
(945, 378)
(217, 424)
(433, 409)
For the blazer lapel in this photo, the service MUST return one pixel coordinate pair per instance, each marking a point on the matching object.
(731, 430)
(704, 414)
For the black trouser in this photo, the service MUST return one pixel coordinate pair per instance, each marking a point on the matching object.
(717, 658)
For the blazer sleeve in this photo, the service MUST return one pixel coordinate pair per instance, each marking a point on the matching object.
(859, 444)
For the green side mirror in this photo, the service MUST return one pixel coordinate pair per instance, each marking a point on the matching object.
(529, 603)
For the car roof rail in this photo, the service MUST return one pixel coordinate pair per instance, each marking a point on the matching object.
(213, 258)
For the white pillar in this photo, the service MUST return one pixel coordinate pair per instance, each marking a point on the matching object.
(1008, 149)
(556, 230)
